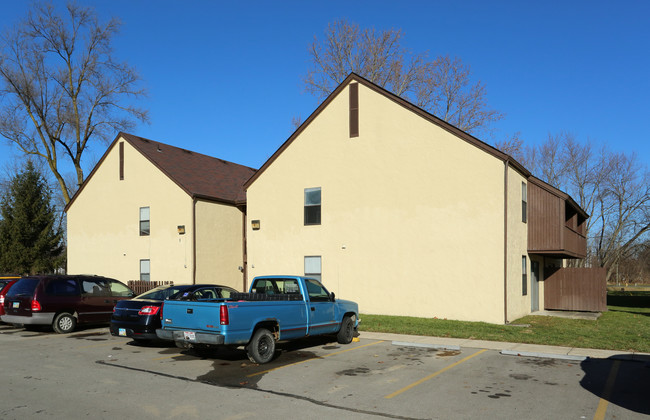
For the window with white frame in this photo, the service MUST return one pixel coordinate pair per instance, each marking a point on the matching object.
(312, 206)
(313, 267)
(145, 270)
(144, 221)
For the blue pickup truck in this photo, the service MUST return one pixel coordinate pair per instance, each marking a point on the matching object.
(276, 308)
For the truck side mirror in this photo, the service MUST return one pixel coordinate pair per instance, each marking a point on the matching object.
(332, 297)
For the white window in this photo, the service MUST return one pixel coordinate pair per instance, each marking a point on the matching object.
(144, 221)
(313, 267)
(312, 206)
(145, 270)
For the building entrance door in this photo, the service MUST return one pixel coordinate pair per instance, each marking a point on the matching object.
(534, 286)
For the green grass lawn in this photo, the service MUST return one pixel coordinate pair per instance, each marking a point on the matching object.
(625, 326)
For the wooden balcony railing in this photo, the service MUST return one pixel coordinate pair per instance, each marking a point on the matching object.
(575, 243)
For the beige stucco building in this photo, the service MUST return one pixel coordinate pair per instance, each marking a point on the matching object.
(400, 211)
(385, 203)
(155, 212)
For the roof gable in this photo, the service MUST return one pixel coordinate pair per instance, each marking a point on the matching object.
(353, 77)
(200, 176)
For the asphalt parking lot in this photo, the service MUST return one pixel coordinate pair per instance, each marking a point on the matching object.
(89, 373)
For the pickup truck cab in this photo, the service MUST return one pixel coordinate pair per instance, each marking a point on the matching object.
(276, 308)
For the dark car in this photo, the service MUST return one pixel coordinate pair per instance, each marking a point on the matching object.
(139, 317)
(5, 284)
(63, 301)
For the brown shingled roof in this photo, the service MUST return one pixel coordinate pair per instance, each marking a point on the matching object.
(200, 176)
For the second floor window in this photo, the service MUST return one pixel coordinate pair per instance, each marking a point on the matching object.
(144, 221)
(524, 202)
(312, 206)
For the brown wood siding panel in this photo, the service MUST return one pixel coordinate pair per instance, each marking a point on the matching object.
(547, 226)
(354, 110)
(544, 221)
(576, 289)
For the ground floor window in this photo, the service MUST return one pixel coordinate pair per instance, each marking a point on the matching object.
(524, 276)
(313, 267)
(145, 270)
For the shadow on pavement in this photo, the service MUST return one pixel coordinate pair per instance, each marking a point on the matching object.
(622, 382)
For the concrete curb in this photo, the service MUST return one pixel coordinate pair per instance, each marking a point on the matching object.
(508, 349)
(544, 355)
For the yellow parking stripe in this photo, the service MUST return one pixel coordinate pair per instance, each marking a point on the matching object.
(313, 358)
(433, 375)
(607, 392)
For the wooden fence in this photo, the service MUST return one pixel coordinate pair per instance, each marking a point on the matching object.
(141, 286)
(576, 289)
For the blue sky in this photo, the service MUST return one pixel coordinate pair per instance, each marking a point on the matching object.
(224, 78)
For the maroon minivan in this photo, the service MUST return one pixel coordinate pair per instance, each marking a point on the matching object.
(63, 301)
(5, 284)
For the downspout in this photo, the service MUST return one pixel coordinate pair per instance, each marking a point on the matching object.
(194, 240)
(505, 240)
(244, 252)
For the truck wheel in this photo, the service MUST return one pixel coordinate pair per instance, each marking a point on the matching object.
(64, 323)
(262, 347)
(346, 333)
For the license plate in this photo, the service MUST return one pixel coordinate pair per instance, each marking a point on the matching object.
(189, 335)
(15, 305)
(122, 332)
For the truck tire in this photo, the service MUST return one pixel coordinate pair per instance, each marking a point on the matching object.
(346, 333)
(64, 323)
(261, 348)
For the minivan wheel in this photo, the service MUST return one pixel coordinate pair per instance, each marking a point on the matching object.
(64, 323)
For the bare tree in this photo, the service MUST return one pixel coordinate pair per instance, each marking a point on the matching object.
(553, 165)
(515, 147)
(636, 267)
(296, 121)
(584, 169)
(442, 86)
(623, 210)
(614, 188)
(62, 89)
